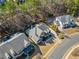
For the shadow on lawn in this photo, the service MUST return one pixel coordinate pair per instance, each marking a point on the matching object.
(37, 51)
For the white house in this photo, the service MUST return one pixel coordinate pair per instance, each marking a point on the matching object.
(41, 33)
(15, 47)
(65, 21)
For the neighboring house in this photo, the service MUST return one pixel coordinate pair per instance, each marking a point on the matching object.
(41, 34)
(65, 21)
(17, 47)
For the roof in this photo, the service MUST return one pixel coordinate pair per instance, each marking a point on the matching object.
(43, 27)
(50, 20)
(16, 43)
(35, 32)
(65, 18)
(14, 38)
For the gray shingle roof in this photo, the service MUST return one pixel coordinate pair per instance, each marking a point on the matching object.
(16, 43)
(43, 27)
(37, 31)
(65, 18)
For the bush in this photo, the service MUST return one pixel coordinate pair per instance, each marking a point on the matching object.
(53, 27)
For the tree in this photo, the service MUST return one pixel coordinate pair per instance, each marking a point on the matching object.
(72, 6)
(53, 8)
(7, 27)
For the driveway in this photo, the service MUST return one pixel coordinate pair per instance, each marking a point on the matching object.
(66, 44)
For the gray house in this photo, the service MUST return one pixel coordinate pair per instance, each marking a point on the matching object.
(17, 47)
(65, 21)
(41, 33)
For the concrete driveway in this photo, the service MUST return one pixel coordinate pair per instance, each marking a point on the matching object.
(66, 44)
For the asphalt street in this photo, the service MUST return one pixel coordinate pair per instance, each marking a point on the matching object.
(64, 46)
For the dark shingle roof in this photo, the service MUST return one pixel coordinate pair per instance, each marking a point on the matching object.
(43, 27)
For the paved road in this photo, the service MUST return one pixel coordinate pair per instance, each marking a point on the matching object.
(61, 50)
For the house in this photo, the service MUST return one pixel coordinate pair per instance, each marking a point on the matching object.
(17, 47)
(65, 21)
(41, 33)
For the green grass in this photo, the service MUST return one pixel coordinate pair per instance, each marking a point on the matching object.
(10, 6)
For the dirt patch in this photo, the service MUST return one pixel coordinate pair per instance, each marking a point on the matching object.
(74, 54)
(71, 30)
(46, 48)
(68, 32)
